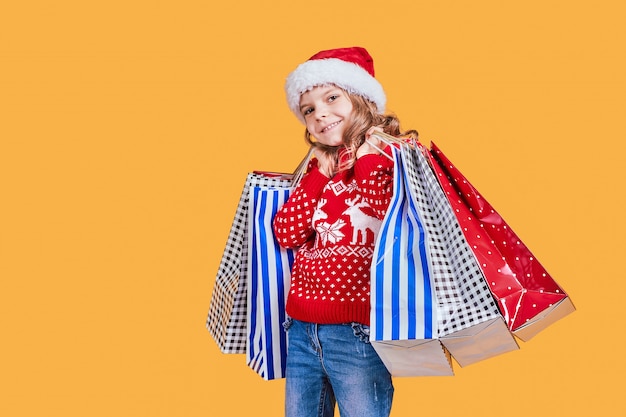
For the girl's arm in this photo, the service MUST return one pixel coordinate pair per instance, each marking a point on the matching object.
(293, 221)
(374, 176)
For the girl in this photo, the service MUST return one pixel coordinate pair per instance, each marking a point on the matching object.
(333, 217)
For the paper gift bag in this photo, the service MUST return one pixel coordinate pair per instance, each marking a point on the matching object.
(226, 321)
(268, 276)
(530, 300)
(415, 357)
(403, 319)
(469, 325)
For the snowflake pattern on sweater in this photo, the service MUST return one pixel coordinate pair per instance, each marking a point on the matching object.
(334, 223)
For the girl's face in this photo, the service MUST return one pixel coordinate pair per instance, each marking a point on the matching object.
(327, 112)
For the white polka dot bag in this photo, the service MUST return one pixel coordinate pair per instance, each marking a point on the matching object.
(529, 298)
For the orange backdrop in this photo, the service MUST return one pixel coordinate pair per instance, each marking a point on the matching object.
(126, 131)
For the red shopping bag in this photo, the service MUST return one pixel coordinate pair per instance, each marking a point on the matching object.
(529, 298)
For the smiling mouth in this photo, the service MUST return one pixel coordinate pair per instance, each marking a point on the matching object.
(329, 127)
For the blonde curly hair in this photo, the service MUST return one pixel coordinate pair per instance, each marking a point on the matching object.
(365, 115)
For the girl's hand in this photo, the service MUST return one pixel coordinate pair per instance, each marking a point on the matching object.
(366, 148)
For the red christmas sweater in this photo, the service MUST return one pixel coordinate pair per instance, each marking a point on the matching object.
(334, 223)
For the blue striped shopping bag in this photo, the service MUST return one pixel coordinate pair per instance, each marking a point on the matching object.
(403, 319)
(227, 318)
(269, 274)
(470, 324)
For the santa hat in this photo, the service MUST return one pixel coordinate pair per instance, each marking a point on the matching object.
(349, 68)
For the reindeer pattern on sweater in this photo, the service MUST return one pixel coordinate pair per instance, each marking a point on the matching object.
(358, 217)
(334, 223)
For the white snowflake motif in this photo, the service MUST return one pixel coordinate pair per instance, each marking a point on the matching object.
(330, 232)
(351, 187)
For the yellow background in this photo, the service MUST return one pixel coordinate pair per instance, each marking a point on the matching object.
(127, 128)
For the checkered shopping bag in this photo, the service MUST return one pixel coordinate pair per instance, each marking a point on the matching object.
(528, 296)
(227, 318)
(469, 323)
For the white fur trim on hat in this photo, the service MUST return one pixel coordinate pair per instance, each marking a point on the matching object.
(347, 75)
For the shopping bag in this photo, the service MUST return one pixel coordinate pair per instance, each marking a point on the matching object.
(529, 298)
(403, 315)
(226, 321)
(470, 325)
(268, 276)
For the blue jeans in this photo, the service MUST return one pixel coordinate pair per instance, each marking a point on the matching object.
(334, 363)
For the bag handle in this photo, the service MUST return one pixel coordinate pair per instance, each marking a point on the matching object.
(391, 141)
(300, 170)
